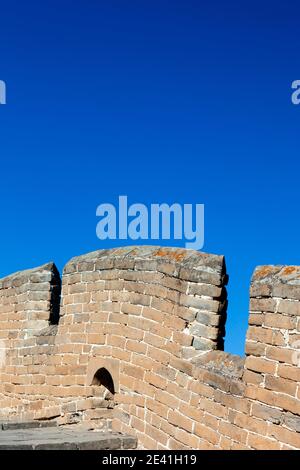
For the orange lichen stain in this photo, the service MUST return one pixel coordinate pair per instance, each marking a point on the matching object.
(176, 254)
(264, 271)
(289, 270)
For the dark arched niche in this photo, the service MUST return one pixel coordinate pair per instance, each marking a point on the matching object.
(104, 378)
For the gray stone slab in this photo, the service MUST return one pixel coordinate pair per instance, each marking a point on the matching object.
(9, 425)
(64, 439)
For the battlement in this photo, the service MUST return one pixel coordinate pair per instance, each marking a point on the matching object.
(131, 340)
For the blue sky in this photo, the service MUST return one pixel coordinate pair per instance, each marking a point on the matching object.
(182, 101)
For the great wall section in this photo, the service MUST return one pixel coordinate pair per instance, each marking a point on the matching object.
(130, 342)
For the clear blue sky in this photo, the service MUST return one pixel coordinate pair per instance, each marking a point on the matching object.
(164, 101)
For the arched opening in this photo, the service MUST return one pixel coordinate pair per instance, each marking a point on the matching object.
(104, 378)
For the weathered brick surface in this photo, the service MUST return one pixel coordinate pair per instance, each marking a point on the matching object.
(272, 350)
(153, 318)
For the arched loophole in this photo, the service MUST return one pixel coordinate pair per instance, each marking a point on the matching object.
(103, 377)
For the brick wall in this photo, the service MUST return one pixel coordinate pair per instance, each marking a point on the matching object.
(272, 367)
(138, 348)
(28, 306)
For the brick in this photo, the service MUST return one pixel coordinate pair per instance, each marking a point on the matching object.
(256, 319)
(207, 318)
(78, 288)
(279, 400)
(284, 435)
(260, 365)
(252, 377)
(176, 445)
(263, 335)
(262, 443)
(187, 314)
(280, 385)
(250, 423)
(278, 339)
(203, 331)
(191, 411)
(262, 305)
(289, 307)
(216, 380)
(181, 365)
(182, 338)
(207, 434)
(161, 331)
(235, 403)
(155, 380)
(99, 296)
(186, 438)
(287, 291)
(292, 422)
(146, 441)
(131, 309)
(180, 420)
(203, 344)
(289, 372)
(158, 408)
(175, 323)
(275, 320)
(156, 434)
(167, 372)
(174, 349)
(140, 323)
(199, 303)
(294, 343)
(127, 381)
(116, 341)
(178, 391)
(162, 305)
(204, 289)
(166, 399)
(166, 427)
(146, 265)
(136, 346)
(153, 314)
(137, 423)
(98, 317)
(232, 431)
(121, 318)
(94, 339)
(182, 379)
(255, 349)
(158, 355)
(204, 445)
(140, 360)
(133, 371)
(143, 388)
(195, 275)
(133, 333)
(225, 443)
(266, 413)
(213, 408)
(154, 340)
(280, 354)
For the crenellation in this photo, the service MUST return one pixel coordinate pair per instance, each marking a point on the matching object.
(131, 340)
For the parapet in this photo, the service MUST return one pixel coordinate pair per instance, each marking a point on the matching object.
(185, 283)
(30, 300)
(134, 343)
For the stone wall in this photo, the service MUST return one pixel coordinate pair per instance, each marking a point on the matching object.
(28, 308)
(138, 348)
